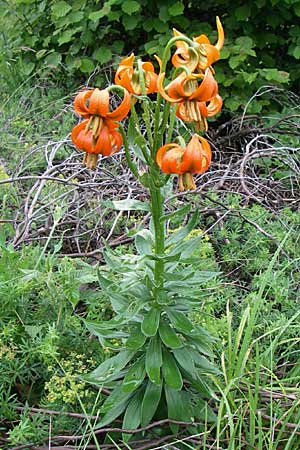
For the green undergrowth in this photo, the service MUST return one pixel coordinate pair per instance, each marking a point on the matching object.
(33, 115)
(251, 308)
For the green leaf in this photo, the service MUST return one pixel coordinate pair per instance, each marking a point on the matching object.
(96, 15)
(110, 367)
(66, 36)
(150, 402)
(176, 9)
(180, 322)
(198, 383)
(178, 213)
(134, 376)
(163, 13)
(144, 242)
(102, 55)
(60, 9)
(54, 59)
(203, 364)
(130, 205)
(154, 360)
(296, 52)
(235, 61)
(275, 75)
(118, 302)
(86, 65)
(179, 407)
(132, 416)
(185, 359)
(129, 22)
(130, 6)
(136, 340)
(113, 406)
(151, 322)
(171, 373)
(183, 232)
(168, 335)
(243, 12)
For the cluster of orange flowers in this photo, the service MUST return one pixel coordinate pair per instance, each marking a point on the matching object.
(194, 90)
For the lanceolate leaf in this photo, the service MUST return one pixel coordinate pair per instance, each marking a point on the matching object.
(180, 321)
(198, 383)
(171, 373)
(185, 359)
(179, 407)
(136, 340)
(168, 335)
(151, 322)
(183, 232)
(154, 360)
(110, 367)
(134, 376)
(112, 414)
(150, 402)
(132, 417)
(144, 242)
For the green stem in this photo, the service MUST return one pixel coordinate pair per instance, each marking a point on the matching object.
(159, 235)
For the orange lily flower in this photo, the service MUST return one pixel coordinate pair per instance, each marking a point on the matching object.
(192, 96)
(206, 52)
(98, 138)
(128, 77)
(197, 112)
(97, 102)
(185, 161)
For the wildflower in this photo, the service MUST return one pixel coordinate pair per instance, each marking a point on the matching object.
(97, 133)
(192, 95)
(185, 161)
(96, 137)
(129, 77)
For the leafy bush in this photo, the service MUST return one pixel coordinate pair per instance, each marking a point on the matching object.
(76, 38)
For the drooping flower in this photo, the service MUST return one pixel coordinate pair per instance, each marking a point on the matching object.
(96, 138)
(98, 102)
(128, 76)
(185, 161)
(200, 56)
(191, 92)
(97, 134)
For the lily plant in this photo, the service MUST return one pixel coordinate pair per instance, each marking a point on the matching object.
(163, 361)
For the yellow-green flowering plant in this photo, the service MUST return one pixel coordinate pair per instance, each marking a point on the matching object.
(163, 360)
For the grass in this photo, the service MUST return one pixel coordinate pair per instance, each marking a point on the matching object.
(252, 310)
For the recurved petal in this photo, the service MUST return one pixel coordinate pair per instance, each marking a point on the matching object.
(202, 39)
(161, 89)
(80, 102)
(99, 102)
(197, 156)
(81, 138)
(220, 29)
(161, 152)
(214, 106)
(122, 110)
(207, 89)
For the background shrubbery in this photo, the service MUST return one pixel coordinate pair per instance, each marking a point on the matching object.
(76, 38)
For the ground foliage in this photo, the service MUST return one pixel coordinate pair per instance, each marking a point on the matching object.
(75, 38)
